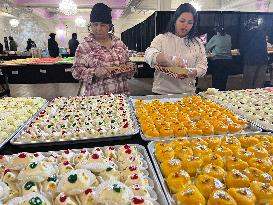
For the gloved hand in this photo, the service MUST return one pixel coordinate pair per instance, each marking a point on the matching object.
(192, 72)
(177, 61)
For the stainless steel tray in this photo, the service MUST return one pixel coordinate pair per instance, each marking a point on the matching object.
(251, 128)
(236, 111)
(161, 198)
(22, 126)
(95, 139)
(151, 148)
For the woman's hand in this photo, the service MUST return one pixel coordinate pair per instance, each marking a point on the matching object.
(192, 73)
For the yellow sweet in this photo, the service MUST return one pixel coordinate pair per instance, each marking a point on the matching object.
(201, 150)
(242, 196)
(258, 151)
(214, 159)
(253, 173)
(207, 184)
(262, 191)
(263, 164)
(191, 165)
(213, 142)
(214, 171)
(232, 143)
(177, 180)
(236, 179)
(169, 166)
(244, 154)
(220, 197)
(235, 163)
(223, 151)
(190, 195)
(248, 141)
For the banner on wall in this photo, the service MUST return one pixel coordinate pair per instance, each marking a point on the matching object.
(262, 5)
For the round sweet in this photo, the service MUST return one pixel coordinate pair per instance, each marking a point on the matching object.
(235, 163)
(176, 180)
(169, 166)
(214, 171)
(244, 155)
(258, 151)
(235, 179)
(262, 191)
(252, 173)
(191, 165)
(248, 141)
(223, 151)
(221, 197)
(207, 184)
(263, 164)
(214, 159)
(63, 199)
(243, 196)
(190, 195)
(213, 142)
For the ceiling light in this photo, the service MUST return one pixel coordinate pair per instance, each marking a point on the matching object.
(68, 7)
(196, 5)
(14, 22)
(80, 21)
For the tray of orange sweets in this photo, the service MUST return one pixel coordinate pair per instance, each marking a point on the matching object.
(169, 116)
(229, 170)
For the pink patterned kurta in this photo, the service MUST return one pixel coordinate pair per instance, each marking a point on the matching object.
(91, 56)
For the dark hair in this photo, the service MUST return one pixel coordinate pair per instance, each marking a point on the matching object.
(10, 38)
(74, 35)
(221, 30)
(182, 9)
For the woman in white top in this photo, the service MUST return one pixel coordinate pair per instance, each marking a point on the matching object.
(169, 49)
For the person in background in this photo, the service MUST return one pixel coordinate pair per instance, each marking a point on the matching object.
(102, 60)
(12, 44)
(220, 47)
(53, 47)
(254, 51)
(1, 48)
(6, 43)
(30, 44)
(169, 49)
(268, 44)
(73, 44)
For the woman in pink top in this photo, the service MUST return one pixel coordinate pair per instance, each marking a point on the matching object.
(102, 60)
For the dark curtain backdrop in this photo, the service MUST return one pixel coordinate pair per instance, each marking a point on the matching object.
(140, 36)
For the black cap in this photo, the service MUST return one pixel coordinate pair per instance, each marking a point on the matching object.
(101, 13)
(52, 35)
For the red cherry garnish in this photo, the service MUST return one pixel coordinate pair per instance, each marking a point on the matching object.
(66, 151)
(138, 200)
(1, 156)
(87, 191)
(95, 156)
(65, 163)
(126, 125)
(126, 146)
(83, 151)
(36, 155)
(132, 168)
(22, 155)
(6, 171)
(63, 198)
(128, 151)
(97, 149)
(111, 148)
(135, 176)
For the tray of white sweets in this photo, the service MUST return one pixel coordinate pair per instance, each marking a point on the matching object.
(80, 119)
(15, 113)
(112, 175)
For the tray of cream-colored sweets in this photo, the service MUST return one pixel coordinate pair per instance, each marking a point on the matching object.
(74, 119)
(230, 170)
(15, 112)
(169, 116)
(253, 104)
(112, 175)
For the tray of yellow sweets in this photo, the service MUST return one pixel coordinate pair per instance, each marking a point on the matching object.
(227, 170)
(168, 117)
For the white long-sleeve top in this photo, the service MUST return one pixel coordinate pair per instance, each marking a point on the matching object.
(170, 44)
